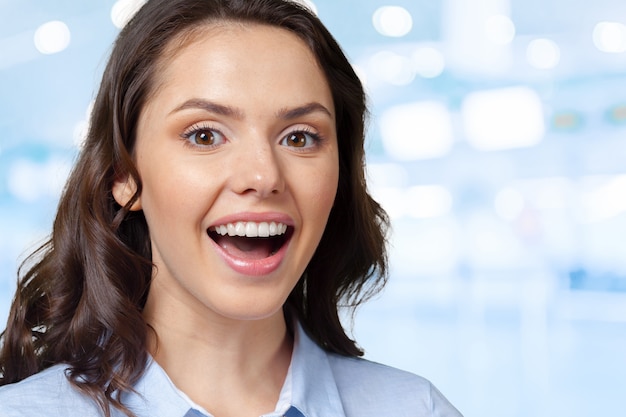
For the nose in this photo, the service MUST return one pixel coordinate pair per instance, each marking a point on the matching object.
(258, 171)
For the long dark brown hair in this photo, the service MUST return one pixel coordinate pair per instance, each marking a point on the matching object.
(80, 296)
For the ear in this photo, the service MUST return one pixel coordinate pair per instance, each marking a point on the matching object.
(123, 190)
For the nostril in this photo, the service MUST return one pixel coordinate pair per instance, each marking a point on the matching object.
(261, 176)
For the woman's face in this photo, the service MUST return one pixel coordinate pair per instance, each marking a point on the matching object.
(237, 153)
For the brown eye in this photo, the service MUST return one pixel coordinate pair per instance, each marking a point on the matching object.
(297, 140)
(204, 137)
(300, 139)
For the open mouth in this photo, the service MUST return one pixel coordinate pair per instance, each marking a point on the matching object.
(251, 240)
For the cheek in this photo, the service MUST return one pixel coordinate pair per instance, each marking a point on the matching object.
(157, 186)
(172, 191)
(323, 190)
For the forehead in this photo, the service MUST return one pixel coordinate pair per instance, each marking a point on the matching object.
(226, 50)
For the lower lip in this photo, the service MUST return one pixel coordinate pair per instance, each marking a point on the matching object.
(254, 267)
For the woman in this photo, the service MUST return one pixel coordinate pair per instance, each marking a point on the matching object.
(214, 223)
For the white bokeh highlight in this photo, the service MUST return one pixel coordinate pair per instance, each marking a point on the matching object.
(503, 118)
(124, 10)
(52, 37)
(543, 53)
(610, 37)
(428, 62)
(392, 21)
(419, 130)
(392, 68)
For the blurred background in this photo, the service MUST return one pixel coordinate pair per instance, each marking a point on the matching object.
(497, 142)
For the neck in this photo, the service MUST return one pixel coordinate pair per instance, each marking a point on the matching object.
(217, 361)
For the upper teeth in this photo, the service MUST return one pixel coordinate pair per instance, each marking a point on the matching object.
(251, 229)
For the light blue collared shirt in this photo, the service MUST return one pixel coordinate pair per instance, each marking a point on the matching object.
(318, 384)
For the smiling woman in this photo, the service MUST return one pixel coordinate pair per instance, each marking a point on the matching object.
(214, 223)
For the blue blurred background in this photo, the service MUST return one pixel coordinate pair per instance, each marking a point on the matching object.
(497, 143)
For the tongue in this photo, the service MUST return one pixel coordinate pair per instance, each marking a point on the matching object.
(246, 248)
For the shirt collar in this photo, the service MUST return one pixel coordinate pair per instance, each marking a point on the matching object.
(155, 395)
(309, 386)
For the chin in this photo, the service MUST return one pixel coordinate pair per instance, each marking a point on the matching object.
(253, 310)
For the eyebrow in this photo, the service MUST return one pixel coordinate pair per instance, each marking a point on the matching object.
(209, 106)
(285, 113)
(294, 113)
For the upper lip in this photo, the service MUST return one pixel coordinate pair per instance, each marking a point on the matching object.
(275, 217)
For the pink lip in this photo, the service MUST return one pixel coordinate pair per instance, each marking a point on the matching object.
(258, 267)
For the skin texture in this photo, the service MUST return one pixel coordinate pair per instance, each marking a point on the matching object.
(220, 333)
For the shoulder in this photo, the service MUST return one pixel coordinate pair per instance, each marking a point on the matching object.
(46, 393)
(372, 389)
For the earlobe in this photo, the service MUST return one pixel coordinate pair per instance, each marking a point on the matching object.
(123, 190)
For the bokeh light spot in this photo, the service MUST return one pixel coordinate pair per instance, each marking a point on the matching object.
(418, 130)
(428, 62)
(123, 10)
(392, 68)
(392, 21)
(543, 53)
(52, 37)
(503, 118)
(610, 37)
